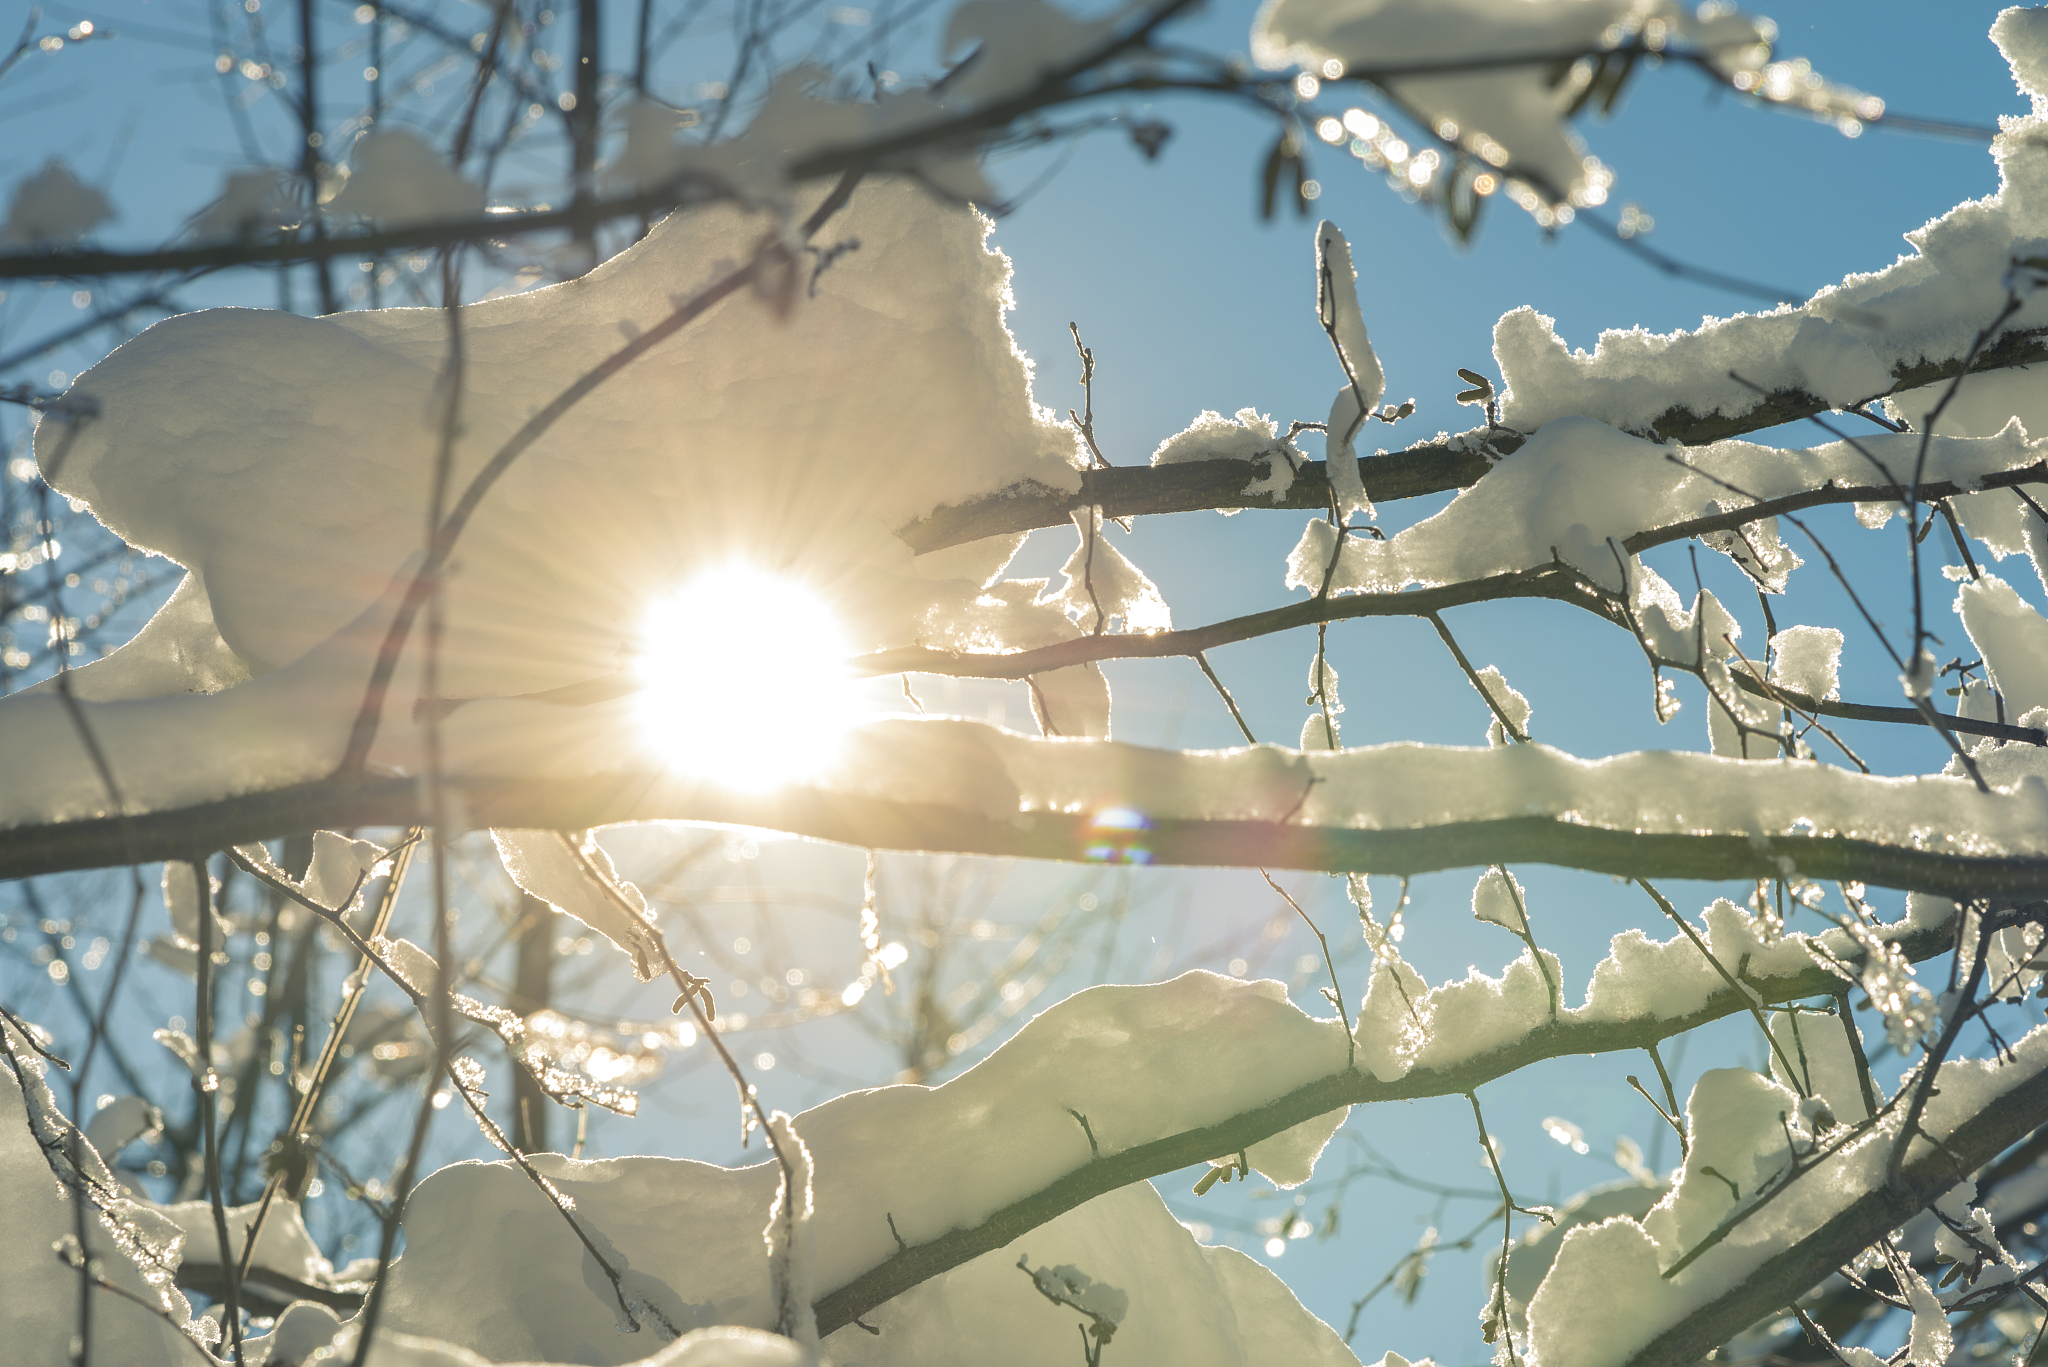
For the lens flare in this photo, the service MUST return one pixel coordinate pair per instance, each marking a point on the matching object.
(744, 679)
(1116, 835)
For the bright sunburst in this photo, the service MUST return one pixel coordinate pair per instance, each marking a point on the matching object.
(744, 678)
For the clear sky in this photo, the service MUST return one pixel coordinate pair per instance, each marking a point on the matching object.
(1190, 302)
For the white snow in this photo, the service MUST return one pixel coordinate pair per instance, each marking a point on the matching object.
(2012, 639)
(285, 1246)
(1497, 898)
(250, 203)
(1841, 345)
(1321, 730)
(1102, 585)
(1604, 1297)
(1211, 436)
(1827, 1066)
(796, 122)
(791, 1239)
(1511, 118)
(396, 179)
(489, 1266)
(1480, 1014)
(2022, 37)
(1808, 660)
(52, 208)
(1578, 485)
(650, 155)
(1506, 701)
(1252, 434)
(1016, 43)
(1359, 396)
(1072, 702)
(120, 1122)
(179, 650)
(577, 879)
(180, 885)
(136, 1247)
(295, 503)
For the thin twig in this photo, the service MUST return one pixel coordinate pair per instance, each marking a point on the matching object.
(1756, 1012)
(1201, 658)
(1336, 987)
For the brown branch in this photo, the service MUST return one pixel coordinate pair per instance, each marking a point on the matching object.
(1427, 468)
(894, 151)
(269, 1289)
(919, 1262)
(1905, 716)
(1771, 1285)
(1547, 581)
(872, 821)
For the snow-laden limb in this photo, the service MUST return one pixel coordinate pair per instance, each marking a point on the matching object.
(1583, 492)
(928, 1165)
(1167, 1075)
(1611, 1297)
(939, 1164)
(1849, 343)
(972, 788)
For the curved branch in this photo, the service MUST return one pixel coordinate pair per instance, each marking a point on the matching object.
(1831, 493)
(919, 1262)
(1548, 581)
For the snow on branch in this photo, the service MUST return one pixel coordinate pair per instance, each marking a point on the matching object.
(1424, 468)
(913, 1184)
(971, 788)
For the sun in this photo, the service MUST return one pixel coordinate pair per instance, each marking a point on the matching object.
(744, 678)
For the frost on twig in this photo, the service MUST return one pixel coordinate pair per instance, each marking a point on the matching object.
(575, 877)
(792, 1245)
(129, 1245)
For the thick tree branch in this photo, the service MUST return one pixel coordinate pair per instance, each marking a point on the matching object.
(1772, 1285)
(1108, 1172)
(873, 821)
(1426, 468)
